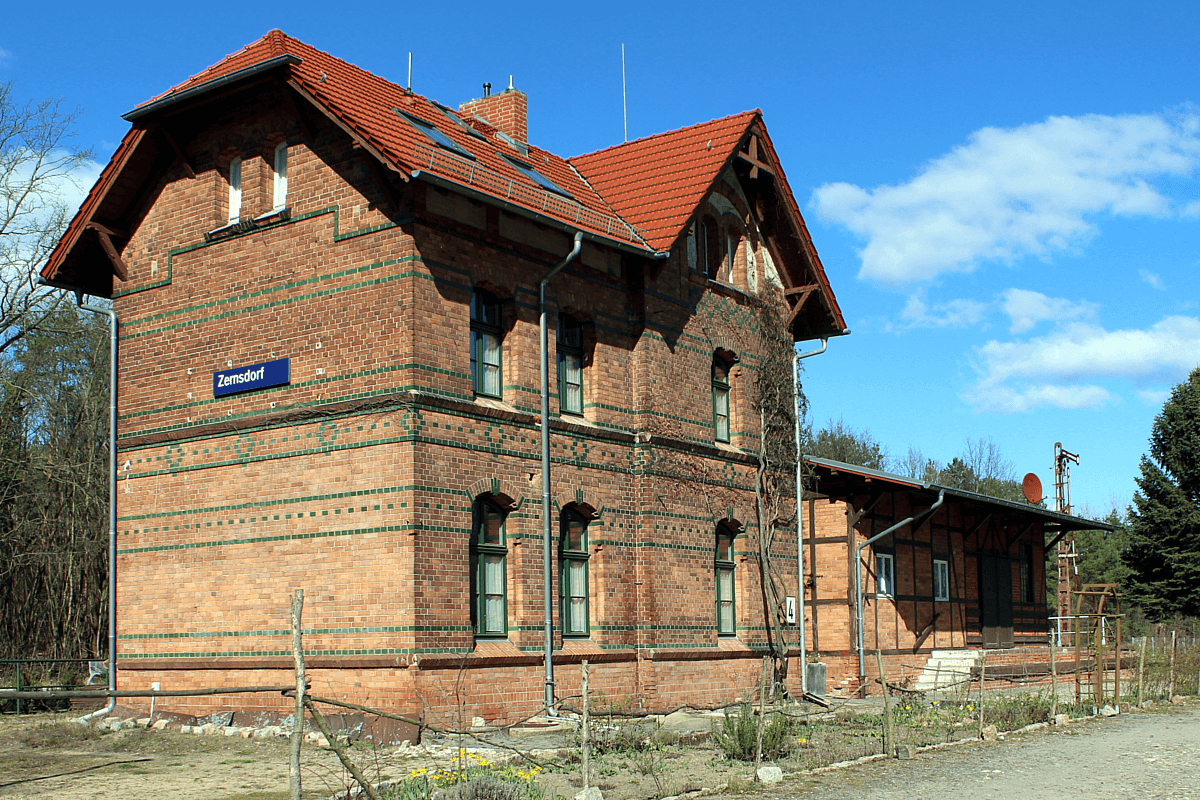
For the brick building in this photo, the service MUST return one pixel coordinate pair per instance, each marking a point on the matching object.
(327, 292)
(932, 568)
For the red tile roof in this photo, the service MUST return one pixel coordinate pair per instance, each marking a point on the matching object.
(366, 103)
(640, 194)
(656, 182)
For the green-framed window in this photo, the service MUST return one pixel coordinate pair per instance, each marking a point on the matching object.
(486, 336)
(570, 366)
(489, 580)
(573, 573)
(720, 397)
(726, 586)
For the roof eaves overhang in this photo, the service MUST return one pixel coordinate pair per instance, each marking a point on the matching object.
(186, 95)
(553, 222)
(1056, 521)
(50, 272)
(799, 226)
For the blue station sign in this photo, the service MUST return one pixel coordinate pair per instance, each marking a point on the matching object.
(254, 376)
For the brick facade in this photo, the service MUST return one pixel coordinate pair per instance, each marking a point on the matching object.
(358, 480)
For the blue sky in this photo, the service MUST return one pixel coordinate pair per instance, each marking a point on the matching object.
(1004, 195)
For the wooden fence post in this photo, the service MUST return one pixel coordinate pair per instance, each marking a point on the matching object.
(762, 718)
(982, 680)
(889, 735)
(1141, 668)
(1171, 683)
(587, 751)
(1053, 679)
(298, 714)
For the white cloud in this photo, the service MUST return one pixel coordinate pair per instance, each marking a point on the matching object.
(74, 189)
(1026, 309)
(1061, 369)
(4, 56)
(52, 192)
(1154, 397)
(959, 313)
(1152, 278)
(1013, 192)
(1008, 399)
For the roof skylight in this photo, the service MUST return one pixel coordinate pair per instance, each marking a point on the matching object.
(435, 135)
(536, 177)
(457, 120)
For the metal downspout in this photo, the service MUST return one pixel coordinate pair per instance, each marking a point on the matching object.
(112, 499)
(547, 539)
(858, 572)
(800, 511)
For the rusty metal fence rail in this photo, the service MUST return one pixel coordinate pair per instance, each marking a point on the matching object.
(44, 676)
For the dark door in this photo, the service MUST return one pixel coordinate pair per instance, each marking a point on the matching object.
(995, 601)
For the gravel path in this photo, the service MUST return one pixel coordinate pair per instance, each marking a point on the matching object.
(1142, 756)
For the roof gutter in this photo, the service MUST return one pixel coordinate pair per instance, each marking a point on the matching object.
(154, 106)
(444, 183)
(858, 605)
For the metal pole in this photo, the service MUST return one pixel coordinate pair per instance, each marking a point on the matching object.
(800, 513)
(112, 488)
(547, 540)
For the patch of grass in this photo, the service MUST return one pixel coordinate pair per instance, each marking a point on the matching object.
(57, 734)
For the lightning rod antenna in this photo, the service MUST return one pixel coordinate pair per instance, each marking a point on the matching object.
(624, 106)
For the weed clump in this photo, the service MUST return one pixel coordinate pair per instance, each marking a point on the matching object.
(737, 736)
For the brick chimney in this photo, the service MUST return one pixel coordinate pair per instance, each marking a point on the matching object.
(508, 111)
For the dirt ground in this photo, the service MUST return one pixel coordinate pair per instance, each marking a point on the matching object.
(1143, 755)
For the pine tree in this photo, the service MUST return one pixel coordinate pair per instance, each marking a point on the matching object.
(1164, 530)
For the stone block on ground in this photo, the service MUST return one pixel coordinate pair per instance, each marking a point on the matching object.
(905, 752)
(1109, 711)
(1062, 719)
(990, 733)
(1177, 700)
(769, 775)
(161, 725)
(590, 793)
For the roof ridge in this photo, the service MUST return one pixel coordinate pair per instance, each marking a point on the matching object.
(209, 68)
(276, 36)
(752, 112)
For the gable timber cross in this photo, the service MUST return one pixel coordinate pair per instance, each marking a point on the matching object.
(751, 158)
(106, 234)
(802, 293)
